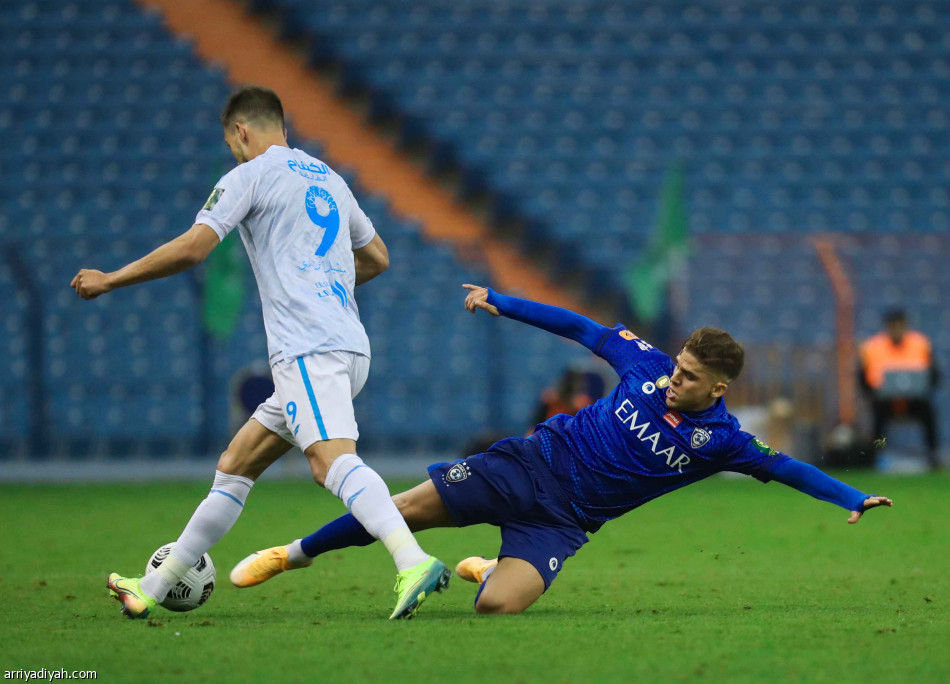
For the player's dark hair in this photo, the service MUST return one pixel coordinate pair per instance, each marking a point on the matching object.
(716, 350)
(254, 105)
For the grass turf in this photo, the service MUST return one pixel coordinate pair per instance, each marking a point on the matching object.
(725, 580)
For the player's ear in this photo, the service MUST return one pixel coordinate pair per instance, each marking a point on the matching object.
(719, 389)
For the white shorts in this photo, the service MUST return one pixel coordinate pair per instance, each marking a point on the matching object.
(313, 397)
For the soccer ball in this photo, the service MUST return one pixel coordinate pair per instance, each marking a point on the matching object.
(193, 589)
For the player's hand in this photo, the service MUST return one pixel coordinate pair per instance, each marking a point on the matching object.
(90, 283)
(478, 299)
(870, 502)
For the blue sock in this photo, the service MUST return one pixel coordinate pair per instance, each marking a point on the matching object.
(337, 534)
(478, 594)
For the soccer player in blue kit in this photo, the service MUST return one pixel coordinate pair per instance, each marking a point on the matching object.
(663, 427)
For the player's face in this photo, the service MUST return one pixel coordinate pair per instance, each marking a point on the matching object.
(693, 387)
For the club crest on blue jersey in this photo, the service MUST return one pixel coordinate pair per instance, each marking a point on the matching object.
(699, 437)
(457, 473)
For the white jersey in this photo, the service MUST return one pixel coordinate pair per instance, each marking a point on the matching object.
(300, 224)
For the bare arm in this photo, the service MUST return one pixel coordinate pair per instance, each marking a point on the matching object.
(185, 251)
(371, 260)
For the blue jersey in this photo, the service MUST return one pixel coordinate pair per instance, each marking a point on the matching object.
(629, 448)
(611, 457)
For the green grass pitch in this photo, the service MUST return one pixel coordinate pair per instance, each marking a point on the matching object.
(728, 580)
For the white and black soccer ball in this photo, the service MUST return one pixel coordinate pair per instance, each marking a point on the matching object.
(193, 589)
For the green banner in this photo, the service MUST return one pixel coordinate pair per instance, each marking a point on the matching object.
(224, 288)
(648, 280)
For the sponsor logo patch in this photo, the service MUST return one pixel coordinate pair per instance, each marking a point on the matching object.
(763, 447)
(673, 418)
(699, 437)
(313, 171)
(627, 335)
(663, 382)
(648, 388)
(213, 199)
(628, 415)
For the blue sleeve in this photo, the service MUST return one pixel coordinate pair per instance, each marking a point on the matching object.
(758, 459)
(618, 346)
(623, 350)
(810, 480)
(551, 318)
(751, 456)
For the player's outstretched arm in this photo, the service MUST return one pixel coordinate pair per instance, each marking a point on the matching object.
(371, 259)
(551, 318)
(812, 481)
(187, 250)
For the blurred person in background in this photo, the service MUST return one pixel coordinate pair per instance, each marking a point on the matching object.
(898, 374)
(575, 389)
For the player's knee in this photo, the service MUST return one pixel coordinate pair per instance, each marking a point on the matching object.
(319, 468)
(228, 463)
(235, 462)
(488, 604)
(322, 456)
(319, 473)
(404, 505)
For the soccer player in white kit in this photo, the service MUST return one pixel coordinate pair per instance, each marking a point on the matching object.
(309, 245)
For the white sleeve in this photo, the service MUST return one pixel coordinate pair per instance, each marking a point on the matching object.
(362, 231)
(228, 204)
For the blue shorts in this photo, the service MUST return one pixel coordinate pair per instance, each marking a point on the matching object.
(509, 486)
